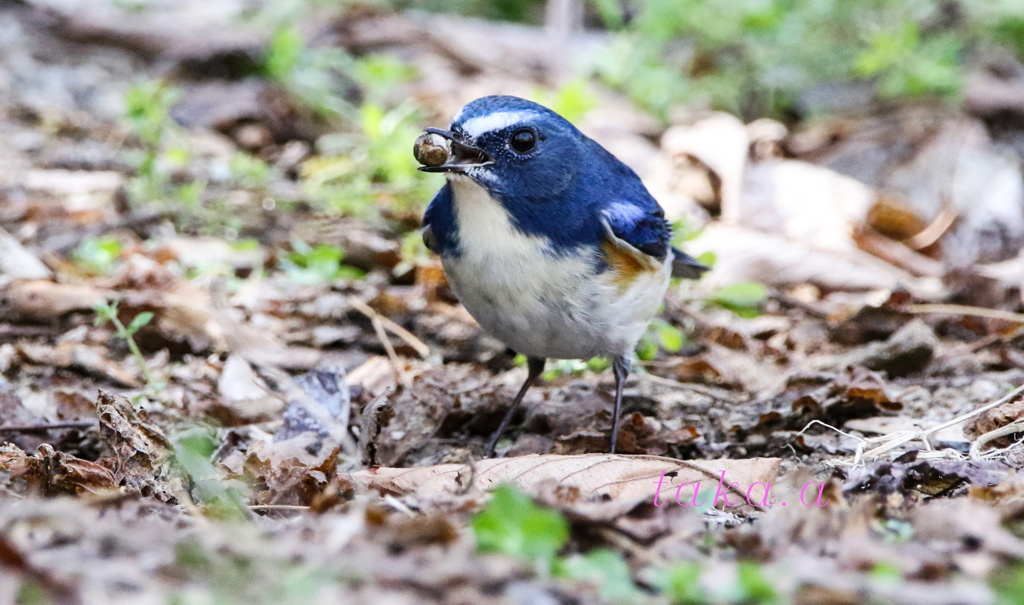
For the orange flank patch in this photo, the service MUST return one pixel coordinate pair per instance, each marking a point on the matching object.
(626, 264)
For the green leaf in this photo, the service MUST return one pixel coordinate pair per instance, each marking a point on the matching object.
(708, 258)
(98, 254)
(566, 367)
(138, 321)
(1008, 584)
(193, 449)
(320, 264)
(512, 524)
(574, 100)
(647, 348)
(672, 338)
(598, 364)
(282, 55)
(681, 583)
(756, 587)
(606, 569)
(106, 312)
(32, 592)
(886, 570)
(743, 298)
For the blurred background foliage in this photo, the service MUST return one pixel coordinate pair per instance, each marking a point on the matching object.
(756, 57)
(753, 58)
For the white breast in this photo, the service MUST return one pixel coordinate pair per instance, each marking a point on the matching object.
(538, 303)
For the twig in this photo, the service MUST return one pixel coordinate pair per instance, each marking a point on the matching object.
(408, 337)
(396, 363)
(968, 311)
(1017, 426)
(45, 426)
(862, 442)
(1001, 452)
(398, 505)
(907, 436)
(931, 234)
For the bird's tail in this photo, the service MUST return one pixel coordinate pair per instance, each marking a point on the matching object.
(685, 266)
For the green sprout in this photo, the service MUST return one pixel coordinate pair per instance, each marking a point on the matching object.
(98, 254)
(682, 584)
(193, 451)
(660, 335)
(512, 524)
(605, 569)
(106, 312)
(318, 264)
(742, 298)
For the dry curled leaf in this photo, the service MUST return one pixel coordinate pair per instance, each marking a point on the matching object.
(67, 474)
(140, 448)
(593, 477)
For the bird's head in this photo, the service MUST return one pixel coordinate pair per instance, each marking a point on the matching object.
(512, 147)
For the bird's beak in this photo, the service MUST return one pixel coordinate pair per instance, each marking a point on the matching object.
(462, 156)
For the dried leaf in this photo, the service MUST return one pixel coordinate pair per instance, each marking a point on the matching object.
(594, 477)
(140, 448)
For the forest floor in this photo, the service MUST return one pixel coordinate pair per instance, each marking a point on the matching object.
(230, 373)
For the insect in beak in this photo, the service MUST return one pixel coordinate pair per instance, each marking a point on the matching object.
(461, 156)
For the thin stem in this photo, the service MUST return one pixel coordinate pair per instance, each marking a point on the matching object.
(122, 332)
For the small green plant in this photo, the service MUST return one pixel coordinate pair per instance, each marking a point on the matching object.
(367, 164)
(193, 449)
(660, 335)
(249, 171)
(147, 113)
(31, 592)
(359, 172)
(241, 578)
(380, 75)
(106, 312)
(307, 264)
(607, 570)
(573, 100)
(1008, 584)
(571, 367)
(512, 524)
(756, 57)
(682, 584)
(163, 155)
(754, 585)
(98, 254)
(742, 298)
(315, 76)
(908, 65)
(147, 107)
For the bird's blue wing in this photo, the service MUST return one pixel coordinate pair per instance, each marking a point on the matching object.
(646, 230)
(642, 228)
(439, 231)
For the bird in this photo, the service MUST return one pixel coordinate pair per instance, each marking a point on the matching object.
(552, 244)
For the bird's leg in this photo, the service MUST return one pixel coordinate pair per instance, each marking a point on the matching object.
(535, 367)
(621, 369)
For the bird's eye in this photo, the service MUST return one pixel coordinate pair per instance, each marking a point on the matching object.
(523, 141)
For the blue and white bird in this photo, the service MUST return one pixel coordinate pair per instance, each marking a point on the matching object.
(554, 246)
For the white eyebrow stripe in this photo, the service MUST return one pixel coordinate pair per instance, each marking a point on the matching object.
(494, 121)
